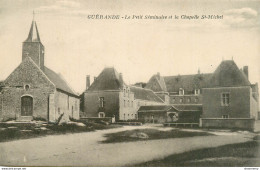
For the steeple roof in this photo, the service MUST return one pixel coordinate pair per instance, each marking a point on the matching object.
(33, 34)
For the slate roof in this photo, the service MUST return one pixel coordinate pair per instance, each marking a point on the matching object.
(108, 79)
(168, 107)
(188, 82)
(145, 94)
(155, 108)
(33, 34)
(161, 86)
(228, 74)
(58, 81)
(1, 85)
(188, 107)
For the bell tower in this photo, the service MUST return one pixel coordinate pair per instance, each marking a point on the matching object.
(32, 46)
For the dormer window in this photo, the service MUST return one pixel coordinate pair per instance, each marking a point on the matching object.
(181, 91)
(197, 91)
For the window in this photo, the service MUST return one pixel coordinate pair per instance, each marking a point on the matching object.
(128, 103)
(196, 100)
(181, 91)
(132, 103)
(181, 100)
(197, 91)
(225, 99)
(128, 92)
(124, 104)
(188, 100)
(26, 87)
(225, 116)
(135, 116)
(101, 102)
(124, 92)
(173, 100)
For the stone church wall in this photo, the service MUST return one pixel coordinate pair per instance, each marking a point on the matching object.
(39, 88)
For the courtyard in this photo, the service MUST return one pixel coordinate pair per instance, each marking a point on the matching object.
(87, 148)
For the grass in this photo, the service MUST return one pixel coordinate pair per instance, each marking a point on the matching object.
(149, 134)
(25, 131)
(232, 155)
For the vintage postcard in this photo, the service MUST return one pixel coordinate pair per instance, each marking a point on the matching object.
(129, 83)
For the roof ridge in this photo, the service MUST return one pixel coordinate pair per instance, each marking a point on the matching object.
(140, 88)
(188, 75)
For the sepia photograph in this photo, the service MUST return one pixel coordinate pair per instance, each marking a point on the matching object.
(129, 83)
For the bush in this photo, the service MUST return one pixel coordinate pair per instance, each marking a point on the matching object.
(129, 120)
(39, 119)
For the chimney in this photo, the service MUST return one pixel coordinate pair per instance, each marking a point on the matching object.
(120, 76)
(245, 70)
(87, 82)
(199, 71)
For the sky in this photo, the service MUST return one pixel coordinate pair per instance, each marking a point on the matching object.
(76, 46)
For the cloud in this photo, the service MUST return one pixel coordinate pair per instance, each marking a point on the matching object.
(59, 6)
(243, 12)
(241, 18)
(69, 4)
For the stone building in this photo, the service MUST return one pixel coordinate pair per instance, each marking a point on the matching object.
(223, 94)
(110, 96)
(33, 91)
(229, 99)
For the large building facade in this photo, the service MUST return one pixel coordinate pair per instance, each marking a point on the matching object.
(109, 96)
(33, 91)
(224, 94)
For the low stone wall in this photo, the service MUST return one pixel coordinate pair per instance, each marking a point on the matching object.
(231, 123)
(97, 119)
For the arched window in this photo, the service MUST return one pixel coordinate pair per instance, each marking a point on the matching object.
(27, 87)
(101, 114)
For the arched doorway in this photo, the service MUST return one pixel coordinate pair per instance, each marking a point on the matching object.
(173, 117)
(26, 106)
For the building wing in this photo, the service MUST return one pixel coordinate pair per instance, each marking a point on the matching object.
(59, 82)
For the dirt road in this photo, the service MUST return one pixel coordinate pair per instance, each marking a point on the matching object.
(85, 149)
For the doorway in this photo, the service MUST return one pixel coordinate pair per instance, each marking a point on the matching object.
(26, 106)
